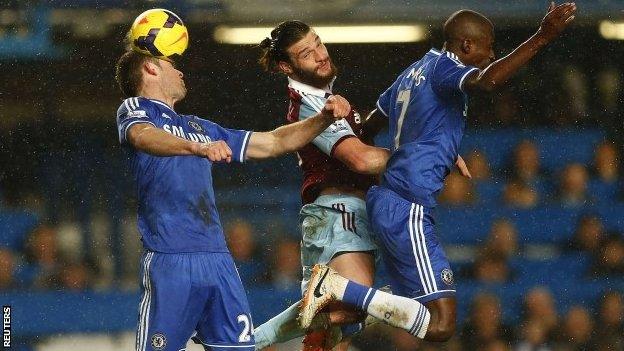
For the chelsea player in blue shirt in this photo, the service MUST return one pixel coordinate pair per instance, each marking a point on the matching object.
(426, 108)
(190, 283)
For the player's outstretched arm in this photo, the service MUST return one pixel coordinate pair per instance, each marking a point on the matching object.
(556, 21)
(361, 158)
(157, 142)
(294, 136)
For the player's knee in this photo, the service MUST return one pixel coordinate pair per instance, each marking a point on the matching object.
(447, 330)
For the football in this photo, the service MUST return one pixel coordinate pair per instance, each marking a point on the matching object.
(159, 33)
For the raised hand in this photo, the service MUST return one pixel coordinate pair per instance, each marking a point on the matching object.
(216, 151)
(463, 168)
(336, 107)
(557, 20)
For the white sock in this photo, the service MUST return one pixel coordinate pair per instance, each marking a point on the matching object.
(400, 312)
(397, 311)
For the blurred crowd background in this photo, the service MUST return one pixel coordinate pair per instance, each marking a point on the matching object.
(535, 238)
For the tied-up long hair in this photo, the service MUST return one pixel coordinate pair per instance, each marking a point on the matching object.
(282, 37)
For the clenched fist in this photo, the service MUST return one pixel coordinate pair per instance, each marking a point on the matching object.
(216, 151)
(336, 107)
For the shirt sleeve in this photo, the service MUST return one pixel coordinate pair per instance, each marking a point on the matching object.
(236, 139)
(132, 111)
(334, 134)
(449, 74)
(384, 103)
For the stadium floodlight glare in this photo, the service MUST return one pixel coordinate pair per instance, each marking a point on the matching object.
(330, 34)
(612, 30)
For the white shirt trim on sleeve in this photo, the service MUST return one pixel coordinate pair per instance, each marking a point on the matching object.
(461, 81)
(241, 157)
(381, 109)
(135, 122)
(128, 104)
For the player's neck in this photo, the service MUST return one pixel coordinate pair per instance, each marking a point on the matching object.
(157, 94)
(322, 85)
(453, 49)
(304, 85)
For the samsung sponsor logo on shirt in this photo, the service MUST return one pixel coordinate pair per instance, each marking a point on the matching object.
(177, 131)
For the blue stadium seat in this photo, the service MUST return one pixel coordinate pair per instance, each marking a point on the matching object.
(15, 225)
(497, 145)
(604, 193)
(612, 216)
(548, 224)
(567, 292)
(546, 272)
(25, 274)
(68, 312)
(567, 146)
(471, 225)
(277, 195)
(489, 192)
(464, 225)
(557, 149)
(543, 225)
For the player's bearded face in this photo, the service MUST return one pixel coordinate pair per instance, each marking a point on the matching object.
(319, 76)
(310, 61)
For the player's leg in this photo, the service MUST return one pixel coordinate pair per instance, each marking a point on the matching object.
(225, 322)
(416, 263)
(280, 328)
(327, 285)
(166, 317)
(415, 259)
(334, 229)
(344, 241)
(443, 316)
(358, 267)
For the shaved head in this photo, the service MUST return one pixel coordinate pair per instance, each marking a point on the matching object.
(470, 35)
(466, 24)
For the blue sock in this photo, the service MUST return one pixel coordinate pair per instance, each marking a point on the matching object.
(358, 295)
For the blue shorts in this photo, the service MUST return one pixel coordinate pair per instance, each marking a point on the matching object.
(414, 259)
(192, 292)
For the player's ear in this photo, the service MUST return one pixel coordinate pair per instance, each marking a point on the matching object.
(151, 68)
(466, 46)
(285, 67)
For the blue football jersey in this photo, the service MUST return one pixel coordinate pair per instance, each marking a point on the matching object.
(177, 211)
(426, 108)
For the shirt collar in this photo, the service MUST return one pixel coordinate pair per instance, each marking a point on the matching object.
(435, 51)
(308, 89)
(162, 103)
(447, 53)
